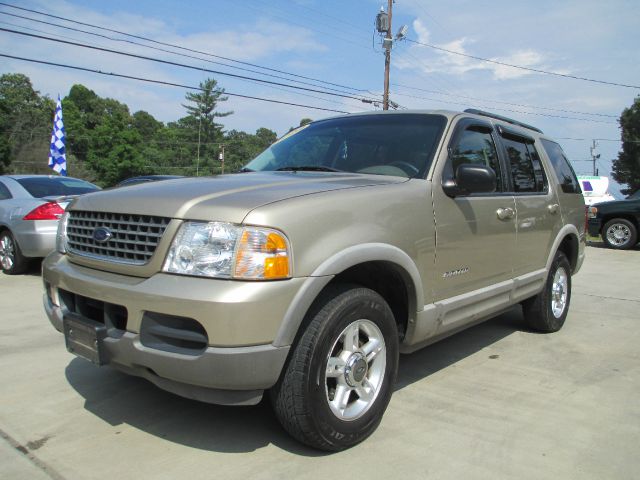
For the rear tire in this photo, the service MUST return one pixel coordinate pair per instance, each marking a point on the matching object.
(547, 311)
(339, 379)
(12, 261)
(620, 234)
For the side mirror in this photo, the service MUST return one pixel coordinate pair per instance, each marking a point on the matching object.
(470, 178)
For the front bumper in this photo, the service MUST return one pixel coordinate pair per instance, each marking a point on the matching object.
(594, 225)
(240, 319)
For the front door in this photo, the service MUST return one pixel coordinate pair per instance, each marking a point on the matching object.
(475, 234)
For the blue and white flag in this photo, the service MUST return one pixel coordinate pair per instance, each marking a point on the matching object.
(57, 153)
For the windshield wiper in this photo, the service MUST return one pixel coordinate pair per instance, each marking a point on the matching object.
(245, 170)
(308, 168)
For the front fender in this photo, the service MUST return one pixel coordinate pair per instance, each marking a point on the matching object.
(338, 263)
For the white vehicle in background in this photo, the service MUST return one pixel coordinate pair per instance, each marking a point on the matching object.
(595, 189)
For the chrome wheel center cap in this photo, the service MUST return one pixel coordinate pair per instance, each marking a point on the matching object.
(558, 291)
(356, 369)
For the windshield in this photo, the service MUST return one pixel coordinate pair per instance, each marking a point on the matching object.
(400, 145)
(55, 186)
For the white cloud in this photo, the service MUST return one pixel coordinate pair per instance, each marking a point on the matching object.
(457, 63)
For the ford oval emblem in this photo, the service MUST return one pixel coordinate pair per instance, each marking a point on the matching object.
(102, 234)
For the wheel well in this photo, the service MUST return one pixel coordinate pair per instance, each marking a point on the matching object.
(569, 246)
(390, 281)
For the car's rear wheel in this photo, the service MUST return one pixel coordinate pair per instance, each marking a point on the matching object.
(339, 379)
(12, 261)
(548, 310)
(620, 234)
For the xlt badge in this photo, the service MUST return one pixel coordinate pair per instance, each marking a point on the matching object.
(455, 273)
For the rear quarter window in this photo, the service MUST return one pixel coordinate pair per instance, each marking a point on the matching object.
(5, 194)
(561, 166)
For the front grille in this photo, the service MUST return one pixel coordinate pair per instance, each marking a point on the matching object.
(133, 240)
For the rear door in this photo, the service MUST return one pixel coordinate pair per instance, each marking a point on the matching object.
(538, 215)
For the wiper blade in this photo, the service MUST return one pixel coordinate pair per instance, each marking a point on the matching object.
(308, 168)
(245, 170)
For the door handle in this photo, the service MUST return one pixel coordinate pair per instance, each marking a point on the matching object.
(553, 208)
(505, 213)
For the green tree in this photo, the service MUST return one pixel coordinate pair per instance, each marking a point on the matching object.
(25, 125)
(240, 147)
(626, 168)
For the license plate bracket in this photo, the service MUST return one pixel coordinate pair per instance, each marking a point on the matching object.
(85, 337)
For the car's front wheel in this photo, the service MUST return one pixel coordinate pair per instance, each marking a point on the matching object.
(12, 261)
(339, 379)
(620, 234)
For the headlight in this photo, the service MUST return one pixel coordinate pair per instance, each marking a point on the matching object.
(592, 212)
(61, 235)
(223, 250)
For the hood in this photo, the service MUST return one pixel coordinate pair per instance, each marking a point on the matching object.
(227, 198)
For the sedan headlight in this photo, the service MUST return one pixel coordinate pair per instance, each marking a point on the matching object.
(224, 250)
(61, 235)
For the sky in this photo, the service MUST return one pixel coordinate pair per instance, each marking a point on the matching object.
(332, 46)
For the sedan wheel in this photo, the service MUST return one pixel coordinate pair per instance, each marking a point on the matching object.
(11, 259)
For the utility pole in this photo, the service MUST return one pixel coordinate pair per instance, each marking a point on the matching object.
(221, 157)
(594, 157)
(383, 26)
(387, 43)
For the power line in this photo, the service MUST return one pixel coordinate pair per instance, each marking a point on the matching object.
(520, 67)
(507, 103)
(183, 65)
(162, 82)
(157, 42)
(564, 117)
(57, 25)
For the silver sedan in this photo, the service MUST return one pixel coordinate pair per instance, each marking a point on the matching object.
(30, 207)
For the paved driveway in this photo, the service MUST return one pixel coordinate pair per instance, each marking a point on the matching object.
(496, 401)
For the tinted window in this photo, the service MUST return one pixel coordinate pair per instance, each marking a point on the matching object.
(4, 192)
(476, 147)
(401, 145)
(526, 168)
(564, 172)
(538, 170)
(55, 186)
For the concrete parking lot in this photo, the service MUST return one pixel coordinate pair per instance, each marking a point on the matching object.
(496, 401)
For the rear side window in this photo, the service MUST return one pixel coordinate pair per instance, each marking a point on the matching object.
(564, 172)
(46, 186)
(5, 194)
(526, 169)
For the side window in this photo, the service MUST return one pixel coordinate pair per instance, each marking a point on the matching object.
(526, 168)
(5, 194)
(564, 172)
(476, 146)
(538, 170)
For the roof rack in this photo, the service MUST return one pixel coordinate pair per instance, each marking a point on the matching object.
(500, 117)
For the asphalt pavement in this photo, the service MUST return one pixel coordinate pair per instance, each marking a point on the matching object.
(496, 401)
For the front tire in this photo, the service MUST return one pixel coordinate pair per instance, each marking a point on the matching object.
(340, 376)
(620, 234)
(547, 311)
(12, 261)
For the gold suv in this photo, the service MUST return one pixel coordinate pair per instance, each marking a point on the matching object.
(345, 243)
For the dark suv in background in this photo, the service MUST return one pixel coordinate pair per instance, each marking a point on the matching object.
(617, 222)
